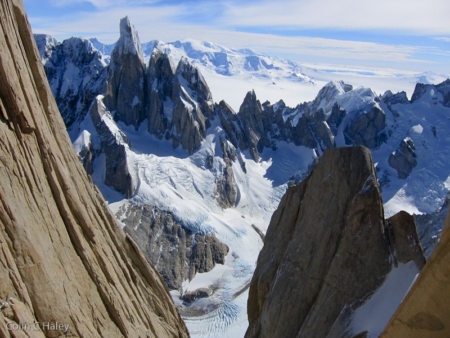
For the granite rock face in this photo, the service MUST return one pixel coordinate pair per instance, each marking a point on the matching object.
(226, 191)
(327, 249)
(63, 259)
(177, 253)
(160, 75)
(124, 89)
(404, 158)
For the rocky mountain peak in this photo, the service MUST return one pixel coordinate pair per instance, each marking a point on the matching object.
(329, 93)
(197, 84)
(161, 66)
(129, 42)
(328, 253)
(250, 100)
(45, 44)
(436, 93)
(124, 90)
(253, 125)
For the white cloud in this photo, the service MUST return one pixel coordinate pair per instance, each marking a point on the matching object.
(443, 38)
(413, 16)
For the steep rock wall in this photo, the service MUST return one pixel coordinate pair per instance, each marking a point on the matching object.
(327, 251)
(62, 257)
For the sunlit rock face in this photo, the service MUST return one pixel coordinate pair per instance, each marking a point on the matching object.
(64, 262)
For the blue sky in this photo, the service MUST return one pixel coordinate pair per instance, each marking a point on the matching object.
(409, 35)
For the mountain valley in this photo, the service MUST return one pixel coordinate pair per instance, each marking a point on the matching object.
(192, 180)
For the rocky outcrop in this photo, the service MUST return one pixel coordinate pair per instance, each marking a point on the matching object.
(124, 90)
(196, 83)
(327, 251)
(253, 126)
(367, 129)
(189, 124)
(336, 117)
(114, 144)
(404, 239)
(160, 87)
(404, 158)
(63, 259)
(180, 102)
(425, 310)
(76, 72)
(177, 253)
(226, 191)
(85, 151)
(192, 296)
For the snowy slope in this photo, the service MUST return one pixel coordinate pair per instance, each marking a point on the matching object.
(427, 122)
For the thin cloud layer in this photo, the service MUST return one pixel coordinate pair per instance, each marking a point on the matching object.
(237, 26)
(406, 16)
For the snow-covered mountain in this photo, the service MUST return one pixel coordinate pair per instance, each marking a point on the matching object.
(231, 73)
(161, 149)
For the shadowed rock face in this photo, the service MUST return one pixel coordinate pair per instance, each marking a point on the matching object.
(63, 259)
(404, 158)
(327, 249)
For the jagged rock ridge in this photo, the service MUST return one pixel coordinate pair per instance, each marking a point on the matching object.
(327, 250)
(63, 258)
